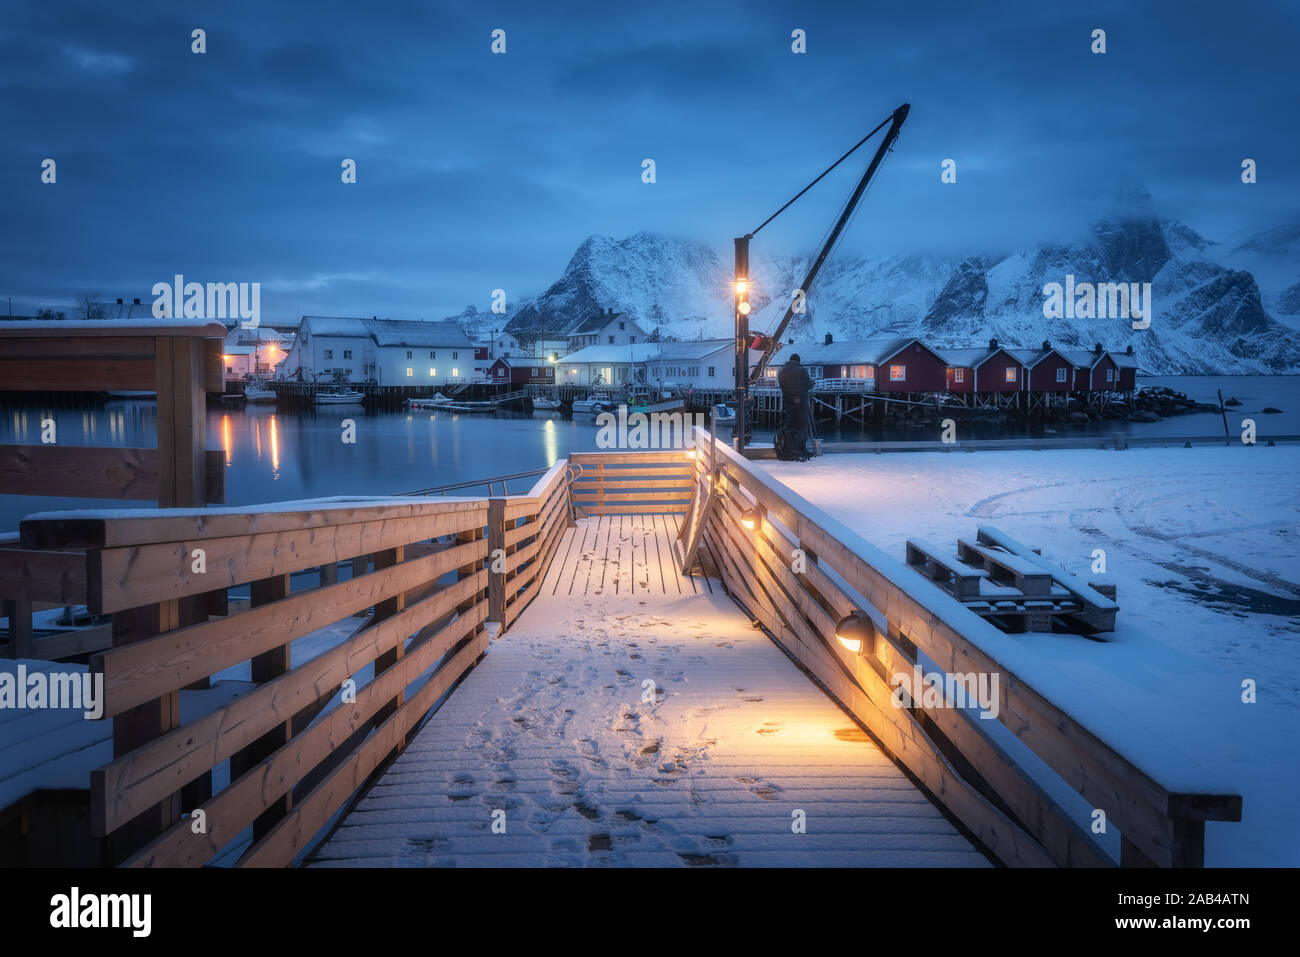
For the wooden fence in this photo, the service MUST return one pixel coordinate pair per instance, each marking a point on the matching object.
(799, 580)
(181, 361)
(427, 574)
(630, 483)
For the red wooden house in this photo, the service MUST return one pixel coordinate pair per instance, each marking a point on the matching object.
(908, 365)
(1128, 368)
(521, 370)
(1049, 370)
(1095, 371)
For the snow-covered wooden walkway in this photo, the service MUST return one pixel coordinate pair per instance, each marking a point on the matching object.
(635, 717)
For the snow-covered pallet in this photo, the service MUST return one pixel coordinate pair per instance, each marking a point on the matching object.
(1005, 581)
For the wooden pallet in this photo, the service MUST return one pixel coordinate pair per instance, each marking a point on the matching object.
(1003, 580)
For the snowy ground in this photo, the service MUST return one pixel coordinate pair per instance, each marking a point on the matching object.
(551, 729)
(1204, 546)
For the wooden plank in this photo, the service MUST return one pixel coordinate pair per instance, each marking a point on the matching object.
(134, 781)
(79, 472)
(92, 529)
(145, 670)
(628, 458)
(56, 577)
(132, 576)
(21, 643)
(496, 542)
(182, 422)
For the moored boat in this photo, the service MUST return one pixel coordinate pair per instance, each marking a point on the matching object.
(340, 396)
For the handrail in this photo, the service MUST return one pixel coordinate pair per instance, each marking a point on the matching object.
(799, 572)
(426, 578)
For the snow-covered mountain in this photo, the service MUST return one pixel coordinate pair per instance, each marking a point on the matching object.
(1208, 313)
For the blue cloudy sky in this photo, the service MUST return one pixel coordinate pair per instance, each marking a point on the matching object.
(478, 171)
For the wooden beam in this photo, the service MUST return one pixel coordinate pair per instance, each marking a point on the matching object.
(56, 577)
(79, 472)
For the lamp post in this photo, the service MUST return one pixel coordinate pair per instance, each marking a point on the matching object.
(740, 430)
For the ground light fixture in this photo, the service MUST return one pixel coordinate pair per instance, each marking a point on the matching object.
(691, 453)
(854, 631)
(749, 518)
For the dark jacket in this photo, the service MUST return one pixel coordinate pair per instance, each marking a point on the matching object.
(795, 383)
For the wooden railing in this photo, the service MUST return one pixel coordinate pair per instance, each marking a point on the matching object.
(628, 483)
(798, 573)
(181, 361)
(430, 574)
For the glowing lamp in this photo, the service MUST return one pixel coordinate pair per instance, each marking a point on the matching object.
(749, 518)
(744, 308)
(855, 631)
(742, 286)
(691, 453)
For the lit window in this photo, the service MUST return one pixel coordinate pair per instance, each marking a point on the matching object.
(410, 372)
(871, 372)
(432, 372)
(1011, 374)
(455, 373)
(1060, 375)
(958, 375)
(898, 373)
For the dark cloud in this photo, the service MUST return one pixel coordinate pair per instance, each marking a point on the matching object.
(478, 171)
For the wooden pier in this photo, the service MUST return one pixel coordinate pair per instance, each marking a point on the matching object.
(394, 720)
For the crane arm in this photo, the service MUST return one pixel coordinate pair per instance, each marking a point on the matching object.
(886, 145)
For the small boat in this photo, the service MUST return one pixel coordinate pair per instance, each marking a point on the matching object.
(438, 400)
(256, 391)
(545, 405)
(724, 413)
(340, 396)
(594, 404)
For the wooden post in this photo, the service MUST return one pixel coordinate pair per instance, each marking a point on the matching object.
(329, 574)
(266, 666)
(387, 609)
(19, 613)
(182, 421)
(496, 535)
(142, 724)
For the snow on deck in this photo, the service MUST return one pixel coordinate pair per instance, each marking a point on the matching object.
(629, 719)
(1204, 547)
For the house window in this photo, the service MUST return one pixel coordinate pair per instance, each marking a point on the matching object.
(1060, 375)
(329, 353)
(433, 355)
(712, 371)
(632, 338)
(958, 375)
(347, 353)
(455, 355)
(622, 326)
(408, 354)
(770, 372)
(410, 372)
(455, 373)
(611, 340)
(871, 372)
(229, 369)
(1011, 374)
(532, 373)
(1110, 375)
(898, 373)
(432, 372)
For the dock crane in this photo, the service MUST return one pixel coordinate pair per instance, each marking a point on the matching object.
(745, 378)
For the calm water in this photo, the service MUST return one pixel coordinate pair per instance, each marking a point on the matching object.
(275, 456)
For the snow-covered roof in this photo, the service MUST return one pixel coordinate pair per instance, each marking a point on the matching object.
(524, 362)
(1082, 359)
(843, 353)
(650, 351)
(965, 358)
(596, 323)
(390, 332)
(1124, 360)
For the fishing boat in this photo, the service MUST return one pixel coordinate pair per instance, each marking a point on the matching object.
(340, 396)
(436, 401)
(723, 413)
(256, 391)
(543, 404)
(595, 403)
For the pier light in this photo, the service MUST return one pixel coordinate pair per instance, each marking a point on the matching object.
(691, 452)
(744, 308)
(742, 286)
(855, 631)
(749, 518)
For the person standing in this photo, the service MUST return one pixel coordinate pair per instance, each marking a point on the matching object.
(795, 385)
